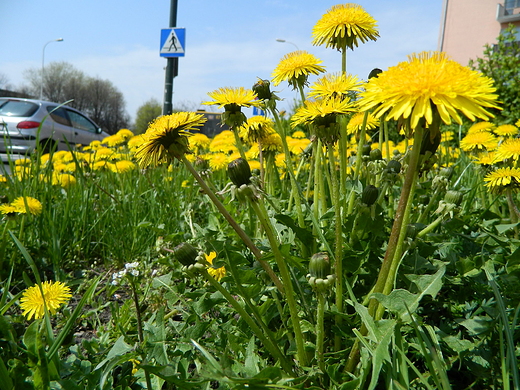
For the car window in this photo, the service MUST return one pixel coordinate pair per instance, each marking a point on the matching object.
(81, 122)
(16, 108)
(59, 115)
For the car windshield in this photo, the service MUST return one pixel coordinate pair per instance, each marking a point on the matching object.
(17, 108)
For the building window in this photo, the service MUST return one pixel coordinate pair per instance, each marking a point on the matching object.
(510, 5)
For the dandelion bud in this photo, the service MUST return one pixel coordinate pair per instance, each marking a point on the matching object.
(393, 166)
(412, 229)
(366, 150)
(369, 195)
(239, 172)
(446, 172)
(453, 197)
(319, 265)
(374, 73)
(423, 199)
(376, 155)
(185, 254)
(262, 89)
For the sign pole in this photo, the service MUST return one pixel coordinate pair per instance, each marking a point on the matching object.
(172, 66)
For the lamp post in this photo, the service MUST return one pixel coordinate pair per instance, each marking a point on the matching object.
(43, 62)
(284, 41)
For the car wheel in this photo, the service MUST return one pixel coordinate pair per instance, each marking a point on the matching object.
(47, 146)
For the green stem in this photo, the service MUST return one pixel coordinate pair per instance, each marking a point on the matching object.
(430, 227)
(140, 334)
(245, 238)
(261, 212)
(338, 266)
(396, 238)
(238, 143)
(359, 156)
(271, 347)
(295, 191)
(393, 241)
(320, 330)
(249, 304)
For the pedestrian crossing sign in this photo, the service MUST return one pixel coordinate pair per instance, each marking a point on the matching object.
(173, 41)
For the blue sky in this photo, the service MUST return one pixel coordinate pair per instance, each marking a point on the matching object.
(229, 43)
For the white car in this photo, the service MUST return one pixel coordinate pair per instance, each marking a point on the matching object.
(28, 124)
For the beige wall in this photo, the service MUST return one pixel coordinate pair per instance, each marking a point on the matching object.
(469, 25)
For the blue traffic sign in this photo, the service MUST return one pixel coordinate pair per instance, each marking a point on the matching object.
(173, 41)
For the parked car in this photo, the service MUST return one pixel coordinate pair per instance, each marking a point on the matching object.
(28, 124)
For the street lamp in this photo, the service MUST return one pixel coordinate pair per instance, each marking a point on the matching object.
(43, 62)
(284, 41)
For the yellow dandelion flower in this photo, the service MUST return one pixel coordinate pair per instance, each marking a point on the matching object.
(447, 136)
(279, 161)
(122, 166)
(256, 129)
(356, 122)
(254, 164)
(517, 123)
(54, 295)
(272, 143)
(100, 165)
(22, 161)
(3, 179)
(64, 180)
(479, 140)
(104, 153)
(503, 179)
(429, 82)
(27, 205)
(113, 140)
(218, 161)
(223, 142)
(70, 167)
(136, 141)
(125, 133)
(343, 26)
(199, 141)
(167, 138)
(216, 273)
(185, 184)
(296, 67)
(506, 130)
(486, 158)
(95, 144)
(480, 126)
(297, 145)
(299, 134)
(6, 209)
(323, 115)
(335, 85)
(233, 99)
(509, 149)
(240, 96)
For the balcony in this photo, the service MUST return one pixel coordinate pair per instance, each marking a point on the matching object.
(509, 11)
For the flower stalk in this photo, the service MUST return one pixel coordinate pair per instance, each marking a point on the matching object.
(261, 212)
(244, 237)
(386, 277)
(272, 347)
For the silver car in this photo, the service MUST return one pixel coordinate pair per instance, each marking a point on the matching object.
(28, 124)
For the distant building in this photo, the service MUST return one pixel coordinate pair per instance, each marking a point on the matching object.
(213, 124)
(468, 25)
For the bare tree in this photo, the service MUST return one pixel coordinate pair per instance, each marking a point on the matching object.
(98, 98)
(4, 82)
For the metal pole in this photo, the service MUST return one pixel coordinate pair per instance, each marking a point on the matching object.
(43, 62)
(172, 66)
